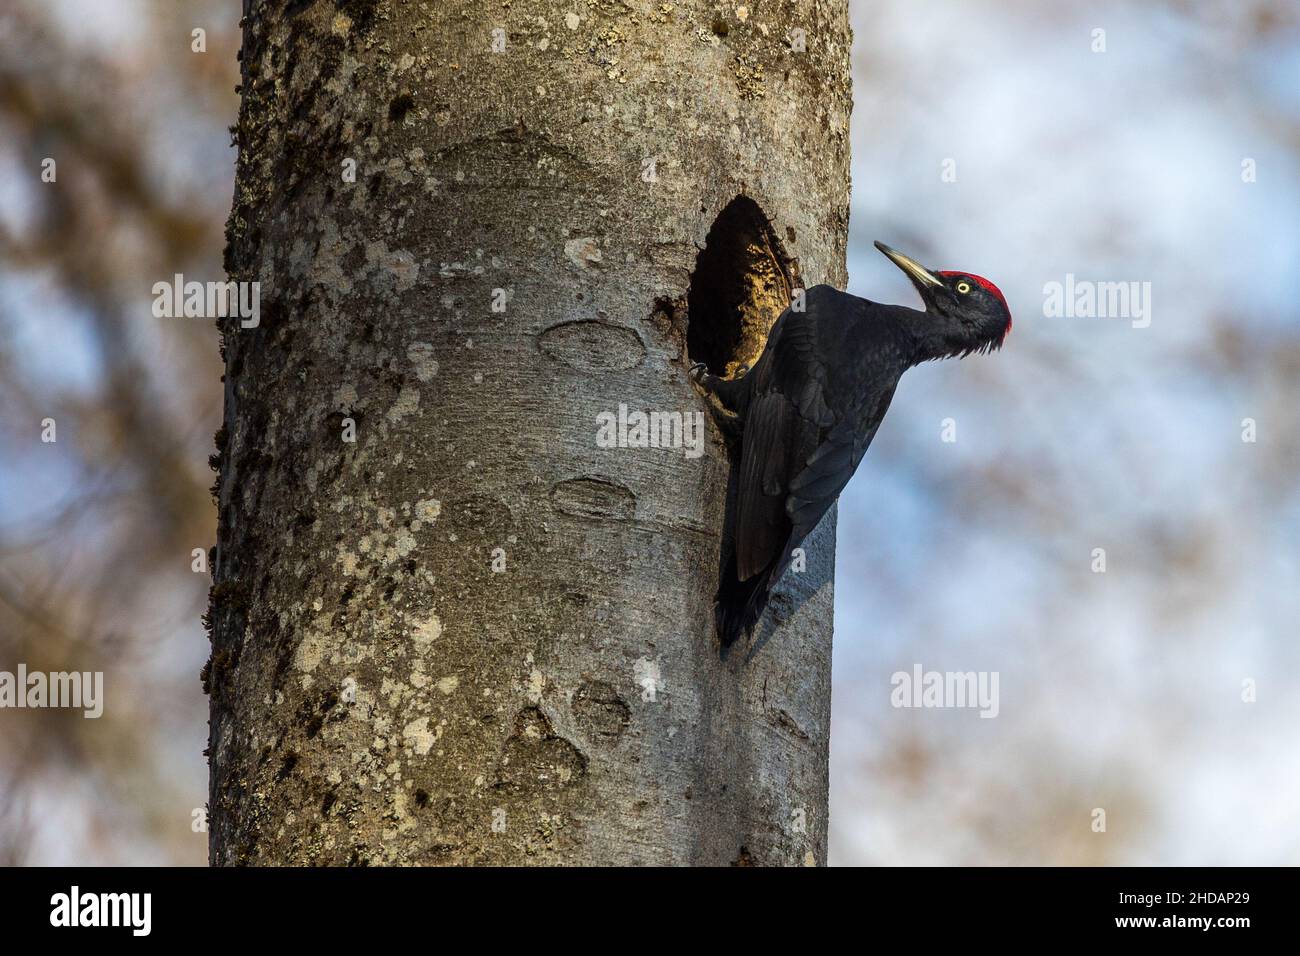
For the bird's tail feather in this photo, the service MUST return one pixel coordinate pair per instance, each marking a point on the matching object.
(740, 604)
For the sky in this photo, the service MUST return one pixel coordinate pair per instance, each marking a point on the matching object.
(1119, 689)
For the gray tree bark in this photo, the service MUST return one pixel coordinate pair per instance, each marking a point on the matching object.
(472, 635)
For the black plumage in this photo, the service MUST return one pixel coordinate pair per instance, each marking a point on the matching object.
(807, 412)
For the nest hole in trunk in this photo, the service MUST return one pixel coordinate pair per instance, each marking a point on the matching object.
(742, 282)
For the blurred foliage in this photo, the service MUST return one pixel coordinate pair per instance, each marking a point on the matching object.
(97, 529)
(1119, 691)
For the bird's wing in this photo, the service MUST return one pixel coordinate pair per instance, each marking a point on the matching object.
(772, 426)
(798, 367)
(830, 467)
(816, 487)
(795, 490)
(783, 426)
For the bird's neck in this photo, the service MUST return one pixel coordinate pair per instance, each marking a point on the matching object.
(937, 336)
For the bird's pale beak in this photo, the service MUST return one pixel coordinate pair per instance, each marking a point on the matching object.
(921, 277)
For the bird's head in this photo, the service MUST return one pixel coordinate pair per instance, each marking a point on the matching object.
(970, 305)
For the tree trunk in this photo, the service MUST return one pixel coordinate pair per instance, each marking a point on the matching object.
(473, 635)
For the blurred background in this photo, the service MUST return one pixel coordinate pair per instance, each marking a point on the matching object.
(990, 137)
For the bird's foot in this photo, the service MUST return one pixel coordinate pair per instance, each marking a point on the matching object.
(703, 380)
(716, 392)
(729, 423)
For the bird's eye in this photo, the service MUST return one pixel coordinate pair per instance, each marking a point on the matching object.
(963, 287)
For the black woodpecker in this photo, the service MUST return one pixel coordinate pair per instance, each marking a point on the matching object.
(808, 409)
